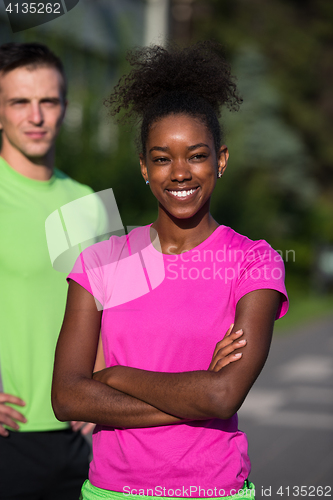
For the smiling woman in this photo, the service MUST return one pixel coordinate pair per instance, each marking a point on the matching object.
(182, 166)
(166, 402)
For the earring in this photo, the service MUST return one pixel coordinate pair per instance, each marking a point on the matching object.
(147, 182)
(219, 175)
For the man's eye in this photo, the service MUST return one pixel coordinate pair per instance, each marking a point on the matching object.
(51, 102)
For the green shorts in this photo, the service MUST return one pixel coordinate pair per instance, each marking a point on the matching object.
(90, 492)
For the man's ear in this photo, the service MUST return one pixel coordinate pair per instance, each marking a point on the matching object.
(222, 159)
(1, 127)
(64, 110)
(143, 166)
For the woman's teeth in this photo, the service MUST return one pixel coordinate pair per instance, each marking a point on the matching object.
(182, 194)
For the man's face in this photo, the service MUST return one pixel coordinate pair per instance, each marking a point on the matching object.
(32, 109)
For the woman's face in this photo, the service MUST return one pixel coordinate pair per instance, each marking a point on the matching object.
(181, 164)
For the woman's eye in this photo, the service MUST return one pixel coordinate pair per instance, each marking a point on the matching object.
(160, 160)
(199, 157)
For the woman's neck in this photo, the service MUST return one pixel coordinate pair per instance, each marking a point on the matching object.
(180, 235)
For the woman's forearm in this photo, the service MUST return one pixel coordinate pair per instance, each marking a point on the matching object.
(139, 398)
(75, 395)
(201, 395)
(91, 401)
(186, 394)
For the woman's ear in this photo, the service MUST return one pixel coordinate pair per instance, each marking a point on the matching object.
(143, 167)
(222, 160)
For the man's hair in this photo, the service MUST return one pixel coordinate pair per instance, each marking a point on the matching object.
(16, 55)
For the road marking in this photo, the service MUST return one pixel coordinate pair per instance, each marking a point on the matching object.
(298, 419)
(265, 406)
(306, 369)
(312, 395)
(261, 402)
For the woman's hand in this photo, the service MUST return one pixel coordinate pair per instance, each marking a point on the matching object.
(103, 375)
(223, 353)
(139, 398)
(222, 356)
(212, 393)
(75, 396)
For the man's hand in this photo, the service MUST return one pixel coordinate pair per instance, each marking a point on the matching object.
(224, 350)
(8, 415)
(86, 427)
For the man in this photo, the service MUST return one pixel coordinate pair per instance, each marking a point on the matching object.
(46, 459)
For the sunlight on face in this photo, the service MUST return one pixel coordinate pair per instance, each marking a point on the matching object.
(181, 164)
(31, 110)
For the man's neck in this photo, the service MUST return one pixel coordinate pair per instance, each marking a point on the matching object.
(40, 169)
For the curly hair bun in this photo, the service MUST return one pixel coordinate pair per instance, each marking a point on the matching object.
(199, 70)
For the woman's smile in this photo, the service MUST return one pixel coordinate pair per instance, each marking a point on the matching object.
(183, 193)
(181, 165)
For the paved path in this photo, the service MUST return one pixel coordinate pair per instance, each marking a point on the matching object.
(288, 416)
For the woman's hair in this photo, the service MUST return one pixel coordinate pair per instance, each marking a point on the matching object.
(194, 81)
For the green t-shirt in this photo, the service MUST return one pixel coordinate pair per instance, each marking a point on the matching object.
(32, 293)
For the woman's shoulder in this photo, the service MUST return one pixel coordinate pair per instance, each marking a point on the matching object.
(234, 240)
(118, 246)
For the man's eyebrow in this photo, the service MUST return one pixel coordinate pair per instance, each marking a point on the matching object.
(50, 98)
(199, 145)
(54, 99)
(15, 99)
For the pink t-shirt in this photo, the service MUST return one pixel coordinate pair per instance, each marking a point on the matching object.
(166, 313)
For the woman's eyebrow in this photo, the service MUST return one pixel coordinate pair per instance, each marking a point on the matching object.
(190, 148)
(159, 148)
(199, 145)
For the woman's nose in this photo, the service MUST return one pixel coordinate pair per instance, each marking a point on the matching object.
(180, 170)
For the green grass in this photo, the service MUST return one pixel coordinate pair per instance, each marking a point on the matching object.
(303, 308)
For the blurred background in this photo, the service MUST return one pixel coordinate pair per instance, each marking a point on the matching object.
(279, 182)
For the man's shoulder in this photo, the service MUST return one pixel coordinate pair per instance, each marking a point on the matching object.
(67, 182)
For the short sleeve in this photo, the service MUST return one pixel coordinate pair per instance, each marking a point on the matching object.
(262, 267)
(88, 270)
(111, 272)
